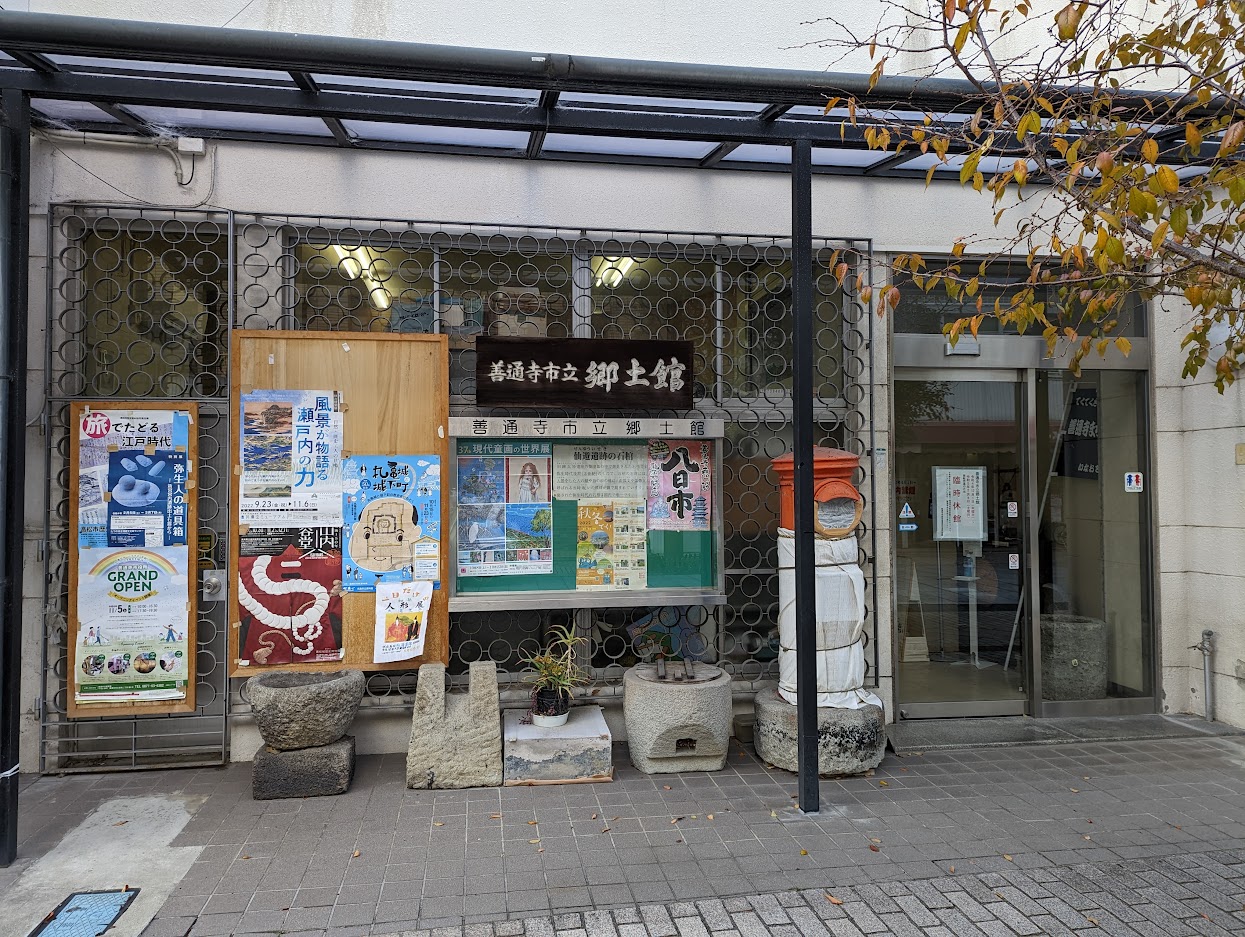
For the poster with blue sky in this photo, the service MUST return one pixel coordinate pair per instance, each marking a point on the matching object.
(391, 509)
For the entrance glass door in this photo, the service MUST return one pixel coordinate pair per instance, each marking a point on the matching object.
(960, 574)
(1093, 563)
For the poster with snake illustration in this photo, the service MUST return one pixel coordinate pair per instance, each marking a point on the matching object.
(289, 595)
(391, 509)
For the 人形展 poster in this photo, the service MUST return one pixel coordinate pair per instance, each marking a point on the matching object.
(505, 515)
(588, 472)
(291, 459)
(594, 546)
(391, 511)
(289, 595)
(402, 610)
(132, 478)
(680, 484)
(132, 641)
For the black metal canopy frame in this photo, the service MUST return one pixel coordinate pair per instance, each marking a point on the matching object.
(163, 81)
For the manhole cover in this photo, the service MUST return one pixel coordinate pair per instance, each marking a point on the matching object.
(85, 914)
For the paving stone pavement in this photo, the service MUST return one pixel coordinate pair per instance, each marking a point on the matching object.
(1142, 837)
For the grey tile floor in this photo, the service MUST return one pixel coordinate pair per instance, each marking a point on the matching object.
(382, 859)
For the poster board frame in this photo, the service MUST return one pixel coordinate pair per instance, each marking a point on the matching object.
(402, 380)
(606, 431)
(74, 709)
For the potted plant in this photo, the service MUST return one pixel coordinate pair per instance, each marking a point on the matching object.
(556, 676)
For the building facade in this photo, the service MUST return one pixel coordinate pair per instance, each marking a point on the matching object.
(1112, 508)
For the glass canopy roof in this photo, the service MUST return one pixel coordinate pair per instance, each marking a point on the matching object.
(114, 76)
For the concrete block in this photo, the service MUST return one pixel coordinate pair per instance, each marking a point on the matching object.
(306, 772)
(676, 726)
(455, 739)
(849, 741)
(577, 751)
(304, 710)
(1074, 657)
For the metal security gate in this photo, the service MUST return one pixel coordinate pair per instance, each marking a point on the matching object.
(140, 306)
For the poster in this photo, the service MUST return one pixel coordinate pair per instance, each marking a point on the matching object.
(959, 503)
(289, 595)
(291, 459)
(391, 520)
(505, 513)
(599, 472)
(630, 544)
(402, 610)
(121, 509)
(132, 642)
(146, 498)
(680, 484)
(594, 546)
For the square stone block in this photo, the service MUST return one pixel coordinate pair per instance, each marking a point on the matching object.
(577, 751)
(303, 772)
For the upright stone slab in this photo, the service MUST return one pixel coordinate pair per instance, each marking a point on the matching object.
(849, 741)
(455, 738)
(677, 725)
(577, 751)
(304, 772)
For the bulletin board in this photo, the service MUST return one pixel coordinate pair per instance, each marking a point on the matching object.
(391, 391)
(586, 512)
(133, 522)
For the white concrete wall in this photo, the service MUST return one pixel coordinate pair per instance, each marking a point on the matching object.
(1199, 495)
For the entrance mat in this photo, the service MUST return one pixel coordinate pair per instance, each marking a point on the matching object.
(85, 914)
(925, 735)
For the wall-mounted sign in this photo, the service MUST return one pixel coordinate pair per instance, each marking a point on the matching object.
(572, 429)
(583, 373)
(1134, 483)
(959, 503)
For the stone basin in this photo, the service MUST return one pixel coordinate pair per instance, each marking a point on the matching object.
(304, 710)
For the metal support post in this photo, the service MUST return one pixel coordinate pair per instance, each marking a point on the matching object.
(802, 424)
(14, 274)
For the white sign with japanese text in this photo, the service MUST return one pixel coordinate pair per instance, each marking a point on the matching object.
(584, 427)
(959, 503)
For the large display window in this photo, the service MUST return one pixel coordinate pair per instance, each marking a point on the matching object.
(581, 512)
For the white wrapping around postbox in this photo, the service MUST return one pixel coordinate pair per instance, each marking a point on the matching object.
(840, 618)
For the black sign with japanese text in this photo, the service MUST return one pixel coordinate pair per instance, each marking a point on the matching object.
(1080, 435)
(594, 373)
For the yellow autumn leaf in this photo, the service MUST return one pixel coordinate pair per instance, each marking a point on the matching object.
(1068, 19)
(1168, 179)
(834, 900)
(1192, 136)
(1150, 151)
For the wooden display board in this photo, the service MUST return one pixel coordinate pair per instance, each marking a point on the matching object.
(395, 401)
(73, 709)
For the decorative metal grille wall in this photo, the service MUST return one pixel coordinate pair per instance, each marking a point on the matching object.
(140, 307)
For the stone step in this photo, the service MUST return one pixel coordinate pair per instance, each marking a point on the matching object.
(573, 753)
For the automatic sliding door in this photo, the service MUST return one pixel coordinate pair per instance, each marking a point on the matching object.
(960, 558)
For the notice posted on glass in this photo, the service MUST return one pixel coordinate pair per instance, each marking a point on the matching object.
(505, 510)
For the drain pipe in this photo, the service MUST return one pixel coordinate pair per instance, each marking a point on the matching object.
(1206, 647)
